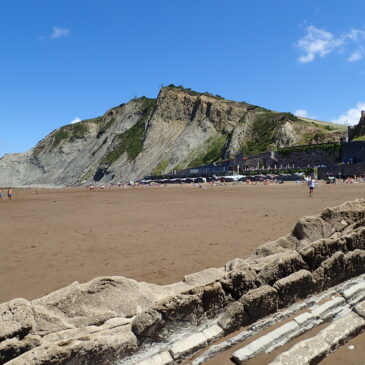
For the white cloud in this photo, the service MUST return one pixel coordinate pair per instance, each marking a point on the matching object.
(357, 55)
(352, 115)
(303, 113)
(319, 43)
(355, 35)
(75, 120)
(59, 33)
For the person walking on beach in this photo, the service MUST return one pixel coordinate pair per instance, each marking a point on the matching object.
(10, 193)
(1, 193)
(311, 184)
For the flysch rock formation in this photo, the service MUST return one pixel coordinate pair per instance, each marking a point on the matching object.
(178, 129)
(115, 320)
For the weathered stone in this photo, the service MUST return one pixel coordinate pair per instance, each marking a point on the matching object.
(360, 309)
(13, 347)
(306, 320)
(99, 349)
(234, 264)
(16, 319)
(316, 252)
(183, 307)
(295, 286)
(234, 317)
(177, 288)
(355, 263)
(238, 282)
(331, 271)
(354, 293)
(356, 239)
(204, 277)
(163, 358)
(48, 321)
(342, 329)
(213, 333)
(257, 263)
(284, 265)
(148, 324)
(100, 299)
(213, 298)
(313, 350)
(260, 302)
(265, 342)
(306, 352)
(328, 309)
(345, 214)
(279, 246)
(309, 229)
(187, 346)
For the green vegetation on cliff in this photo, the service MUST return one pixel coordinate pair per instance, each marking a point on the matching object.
(361, 138)
(160, 168)
(211, 151)
(70, 132)
(192, 92)
(359, 131)
(326, 147)
(131, 141)
(264, 131)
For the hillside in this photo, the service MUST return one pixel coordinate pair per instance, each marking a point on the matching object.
(180, 128)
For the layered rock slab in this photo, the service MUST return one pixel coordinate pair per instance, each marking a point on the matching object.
(85, 319)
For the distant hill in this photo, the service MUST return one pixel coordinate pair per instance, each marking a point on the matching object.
(180, 128)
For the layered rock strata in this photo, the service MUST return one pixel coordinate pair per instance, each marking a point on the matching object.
(110, 320)
(179, 128)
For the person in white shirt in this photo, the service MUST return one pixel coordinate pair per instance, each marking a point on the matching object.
(311, 184)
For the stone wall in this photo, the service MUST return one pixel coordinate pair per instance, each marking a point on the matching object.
(342, 171)
(295, 157)
(110, 319)
(353, 152)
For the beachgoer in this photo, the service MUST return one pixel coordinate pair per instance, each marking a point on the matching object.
(10, 193)
(311, 184)
(1, 193)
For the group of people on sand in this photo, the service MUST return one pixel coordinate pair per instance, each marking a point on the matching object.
(10, 193)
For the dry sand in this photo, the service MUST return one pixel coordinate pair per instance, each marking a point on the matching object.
(53, 238)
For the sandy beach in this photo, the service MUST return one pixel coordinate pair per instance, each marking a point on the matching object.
(155, 234)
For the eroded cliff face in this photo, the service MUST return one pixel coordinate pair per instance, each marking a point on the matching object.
(180, 128)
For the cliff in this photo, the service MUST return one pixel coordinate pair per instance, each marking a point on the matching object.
(180, 128)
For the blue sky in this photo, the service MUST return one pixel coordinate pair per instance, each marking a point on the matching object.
(64, 60)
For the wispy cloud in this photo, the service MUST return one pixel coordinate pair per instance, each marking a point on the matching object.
(351, 116)
(303, 113)
(75, 120)
(57, 33)
(319, 43)
(356, 55)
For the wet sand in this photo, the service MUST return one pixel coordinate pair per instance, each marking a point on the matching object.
(154, 234)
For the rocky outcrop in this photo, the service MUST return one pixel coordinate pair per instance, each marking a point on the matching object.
(109, 319)
(178, 129)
